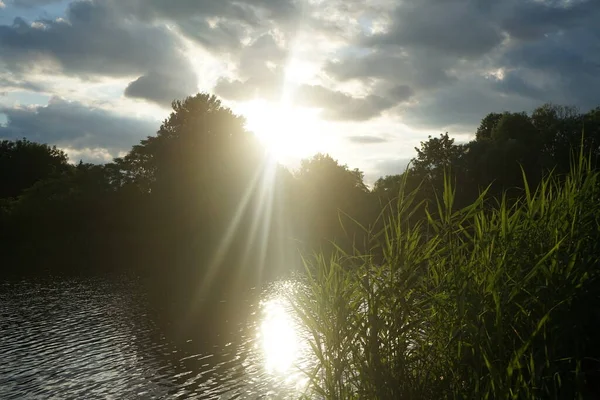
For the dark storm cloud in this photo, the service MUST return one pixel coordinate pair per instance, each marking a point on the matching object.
(95, 40)
(75, 125)
(366, 139)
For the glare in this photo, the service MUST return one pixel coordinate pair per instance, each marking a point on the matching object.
(279, 338)
(285, 131)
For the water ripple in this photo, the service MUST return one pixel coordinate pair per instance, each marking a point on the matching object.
(97, 339)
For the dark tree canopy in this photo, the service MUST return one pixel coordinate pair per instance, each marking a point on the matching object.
(504, 144)
(487, 125)
(23, 163)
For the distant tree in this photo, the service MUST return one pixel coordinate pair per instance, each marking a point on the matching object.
(591, 133)
(515, 126)
(487, 125)
(322, 170)
(435, 156)
(67, 221)
(23, 163)
(326, 188)
(388, 185)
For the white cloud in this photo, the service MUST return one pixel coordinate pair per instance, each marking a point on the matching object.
(96, 155)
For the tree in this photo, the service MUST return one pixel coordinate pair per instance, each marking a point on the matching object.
(517, 127)
(436, 155)
(206, 194)
(65, 222)
(388, 185)
(326, 188)
(199, 138)
(197, 166)
(487, 125)
(23, 163)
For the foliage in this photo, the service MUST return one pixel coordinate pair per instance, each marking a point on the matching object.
(473, 303)
(23, 163)
(325, 188)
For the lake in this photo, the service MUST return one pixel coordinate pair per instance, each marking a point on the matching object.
(104, 338)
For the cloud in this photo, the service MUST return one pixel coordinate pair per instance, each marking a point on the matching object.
(463, 59)
(334, 105)
(268, 89)
(89, 155)
(261, 67)
(533, 20)
(33, 3)
(453, 27)
(252, 12)
(8, 82)
(75, 126)
(461, 106)
(260, 70)
(96, 40)
(366, 139)
(2, 5)
(419, 70)
(337, 105)
(217, 25)
(162, 88)
(387, 166)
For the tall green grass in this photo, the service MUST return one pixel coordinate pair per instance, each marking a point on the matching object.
(497, 300)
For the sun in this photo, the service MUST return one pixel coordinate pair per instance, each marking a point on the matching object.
(287, 132)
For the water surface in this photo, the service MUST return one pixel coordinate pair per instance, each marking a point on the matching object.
(102, 338)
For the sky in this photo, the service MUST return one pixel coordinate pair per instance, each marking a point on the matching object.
(362, 80)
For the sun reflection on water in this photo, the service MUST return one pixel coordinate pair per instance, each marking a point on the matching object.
(280, 340)
(278, 336)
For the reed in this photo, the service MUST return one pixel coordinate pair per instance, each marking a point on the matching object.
(497, 300)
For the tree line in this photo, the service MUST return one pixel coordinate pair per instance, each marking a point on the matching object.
(200, 201)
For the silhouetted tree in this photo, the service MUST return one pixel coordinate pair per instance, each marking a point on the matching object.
(487, 125)
(23, 163)
(328, 190)
(388, 185)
